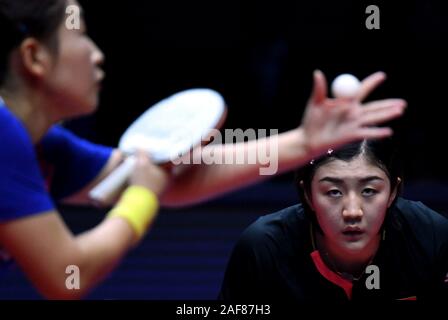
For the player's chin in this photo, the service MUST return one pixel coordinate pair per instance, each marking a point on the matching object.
(91, 103)
(92, 107)
(85, 108)
(354, 247)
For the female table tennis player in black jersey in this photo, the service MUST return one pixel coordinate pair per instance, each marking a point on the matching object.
(352, 238)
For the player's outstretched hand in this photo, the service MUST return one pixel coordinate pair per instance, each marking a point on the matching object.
(330, 123)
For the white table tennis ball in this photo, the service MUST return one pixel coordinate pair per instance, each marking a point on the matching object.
(345, 86)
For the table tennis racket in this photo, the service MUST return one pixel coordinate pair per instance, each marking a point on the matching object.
(167, 130)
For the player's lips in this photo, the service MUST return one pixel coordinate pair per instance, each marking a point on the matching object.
(99, 79)
(100, 76)
(352, 231)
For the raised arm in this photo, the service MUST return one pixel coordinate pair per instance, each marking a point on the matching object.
(327, 123)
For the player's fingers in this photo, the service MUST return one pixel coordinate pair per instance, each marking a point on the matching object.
(381, 115)
(369, 84)
(319, 88)
(143, 159)
(375, 106)
(374, 133)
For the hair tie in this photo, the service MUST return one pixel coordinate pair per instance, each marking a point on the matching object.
(329, 153)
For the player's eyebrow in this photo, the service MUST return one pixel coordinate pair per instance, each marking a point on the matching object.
(340, 180)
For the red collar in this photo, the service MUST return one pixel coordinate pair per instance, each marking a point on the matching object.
(330, 275)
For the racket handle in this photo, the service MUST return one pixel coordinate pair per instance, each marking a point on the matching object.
(104, 192)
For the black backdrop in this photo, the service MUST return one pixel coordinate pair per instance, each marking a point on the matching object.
(260, 55)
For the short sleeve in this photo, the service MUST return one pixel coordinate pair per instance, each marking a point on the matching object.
(75, 161)
(22, 187)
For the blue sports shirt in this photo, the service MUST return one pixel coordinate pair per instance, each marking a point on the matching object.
(34, 177)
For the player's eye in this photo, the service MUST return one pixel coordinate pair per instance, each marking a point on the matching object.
(368, 192)
(334, 193)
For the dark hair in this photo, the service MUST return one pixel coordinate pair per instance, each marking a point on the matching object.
(381, 153)
(20, 19)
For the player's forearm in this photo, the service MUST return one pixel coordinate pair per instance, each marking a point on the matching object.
(94, 253)
(103, 247)
(262, 159)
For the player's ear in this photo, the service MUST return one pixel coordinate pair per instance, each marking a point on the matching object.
(36, 58)
(394, 192)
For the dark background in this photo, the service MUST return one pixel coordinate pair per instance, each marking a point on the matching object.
(260, 55)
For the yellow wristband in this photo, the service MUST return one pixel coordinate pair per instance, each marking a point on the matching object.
(138, 206)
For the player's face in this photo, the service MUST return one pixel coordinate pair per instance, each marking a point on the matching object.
(76, 75)
(350, 200)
